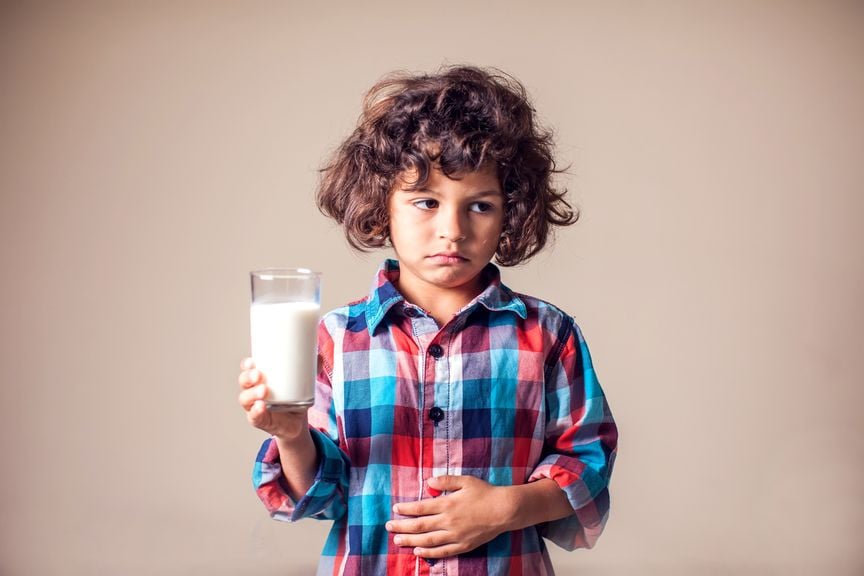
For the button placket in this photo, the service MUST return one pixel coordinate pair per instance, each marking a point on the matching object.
(436, 414)
(436, 376)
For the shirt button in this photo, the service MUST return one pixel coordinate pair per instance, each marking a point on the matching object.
(436, 351)
(412, 312)
(436, 414)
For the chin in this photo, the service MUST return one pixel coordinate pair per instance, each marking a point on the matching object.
(452, 279)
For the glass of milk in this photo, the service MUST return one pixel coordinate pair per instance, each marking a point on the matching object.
(286, 306)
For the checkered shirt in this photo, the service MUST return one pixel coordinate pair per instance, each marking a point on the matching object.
(505, 392)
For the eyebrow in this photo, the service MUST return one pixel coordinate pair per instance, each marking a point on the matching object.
(483, 194)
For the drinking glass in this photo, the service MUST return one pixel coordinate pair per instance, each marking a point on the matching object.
(284, 315)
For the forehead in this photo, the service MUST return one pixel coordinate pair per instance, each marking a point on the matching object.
(485, 180)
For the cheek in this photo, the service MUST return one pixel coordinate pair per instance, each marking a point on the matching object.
(395, 221)
(405, 228)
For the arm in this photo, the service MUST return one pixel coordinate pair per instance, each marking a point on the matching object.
(537, 502)
(581, 444)
(473, 513)
(301, 471)
(299, 460)
(289, 430)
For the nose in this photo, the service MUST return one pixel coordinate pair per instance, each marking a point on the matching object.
(451, 225)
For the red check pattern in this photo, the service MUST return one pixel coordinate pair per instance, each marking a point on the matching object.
(518, 401)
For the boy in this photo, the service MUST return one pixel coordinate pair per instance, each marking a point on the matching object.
(455, 421)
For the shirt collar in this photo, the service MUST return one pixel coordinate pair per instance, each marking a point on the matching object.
(384, 295)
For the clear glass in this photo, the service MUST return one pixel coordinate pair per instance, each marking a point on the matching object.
(284, 315)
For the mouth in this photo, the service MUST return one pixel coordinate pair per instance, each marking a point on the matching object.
(448, 258)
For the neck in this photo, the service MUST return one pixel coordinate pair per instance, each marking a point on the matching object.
(441, 303)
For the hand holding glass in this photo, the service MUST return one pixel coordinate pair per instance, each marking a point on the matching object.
(284, 315)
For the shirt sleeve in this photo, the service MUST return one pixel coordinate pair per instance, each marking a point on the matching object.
(327, 497)
(581, 442)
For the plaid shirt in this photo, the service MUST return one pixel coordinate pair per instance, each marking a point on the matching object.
(505, 392)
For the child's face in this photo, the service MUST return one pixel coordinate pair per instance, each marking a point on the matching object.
(446, 233)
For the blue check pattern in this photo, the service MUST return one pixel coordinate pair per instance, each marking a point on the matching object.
(516, 398)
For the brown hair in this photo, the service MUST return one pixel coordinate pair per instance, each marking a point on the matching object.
(456, 120)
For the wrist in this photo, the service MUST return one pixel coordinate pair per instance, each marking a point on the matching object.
(293, 439)
(289, 427)
(535, 502)
(513, 503)
(299, 459)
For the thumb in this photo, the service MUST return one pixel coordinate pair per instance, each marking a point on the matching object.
(445, 483)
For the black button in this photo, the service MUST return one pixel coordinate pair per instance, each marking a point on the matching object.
(436, 414)
(436, 351)
(412, 312)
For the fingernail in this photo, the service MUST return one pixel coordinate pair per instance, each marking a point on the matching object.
(434, 492)
(248, 363)
(388, 526)
(397, 540)
(395, 508)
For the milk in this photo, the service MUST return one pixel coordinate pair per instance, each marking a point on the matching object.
(284, 347)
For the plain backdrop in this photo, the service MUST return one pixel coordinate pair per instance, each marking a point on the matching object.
(152, 153)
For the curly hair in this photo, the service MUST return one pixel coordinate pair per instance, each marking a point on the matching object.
(457, 121)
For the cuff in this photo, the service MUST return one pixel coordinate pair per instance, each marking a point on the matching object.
(325, 499)
(587, 493)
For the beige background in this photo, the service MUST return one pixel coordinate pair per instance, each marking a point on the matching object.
(152, 155)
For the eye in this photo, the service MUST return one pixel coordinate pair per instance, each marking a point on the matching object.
(482, 207)
(426, 204)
